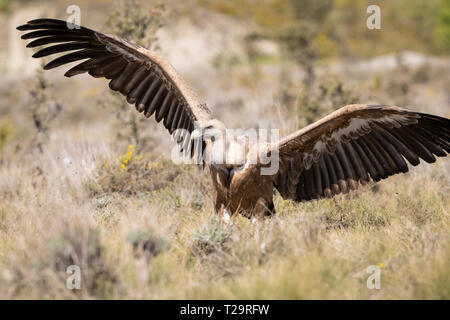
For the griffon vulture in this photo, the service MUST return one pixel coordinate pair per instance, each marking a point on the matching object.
(351, 146)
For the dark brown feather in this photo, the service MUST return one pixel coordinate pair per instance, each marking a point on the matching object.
(375, 156)
(301, 188)
(383, 157)
(332, 174)
(156, 102)
(178, 126)
(113, 69)
(91, 63)
(317, 180)
(364, 155)
(339, 174)
(356, 162)
(349, 172)
(281, 184)
(431, 140)
(57, 32)
(325, 177)
(55, 39)
(161, 112)
(170, 114)
(140, 74)
(118, 83)
(176, 118)
(399, 145)
(70, 46)
(71, 57)
(139, 91)
(310, 188)
(146, 98)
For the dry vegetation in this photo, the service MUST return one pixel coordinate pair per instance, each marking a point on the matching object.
(140, 226)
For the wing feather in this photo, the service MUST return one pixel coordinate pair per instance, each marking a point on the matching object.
(354, 145)
(145, 78)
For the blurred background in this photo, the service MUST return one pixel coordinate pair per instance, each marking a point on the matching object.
(84, 177)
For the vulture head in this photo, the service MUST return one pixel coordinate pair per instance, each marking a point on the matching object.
(225, 148)
(212, 131)
(350, 147)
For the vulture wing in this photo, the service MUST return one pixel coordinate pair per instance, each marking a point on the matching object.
(355, 144)
(147, 80)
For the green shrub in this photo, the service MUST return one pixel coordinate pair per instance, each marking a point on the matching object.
(210, 237)
(137, 175)
(147, 242)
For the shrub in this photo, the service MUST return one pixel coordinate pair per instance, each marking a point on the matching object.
(133, 175)
(44, 109)
(210, 237)
(71, 248)
(324, 98)
(147, 242)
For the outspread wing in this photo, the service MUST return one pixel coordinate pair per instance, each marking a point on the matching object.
(146, 79)
(355, 144)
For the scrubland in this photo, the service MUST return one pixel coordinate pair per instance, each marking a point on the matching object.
(85, 181)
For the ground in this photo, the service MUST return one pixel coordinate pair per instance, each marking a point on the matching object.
(79, 190)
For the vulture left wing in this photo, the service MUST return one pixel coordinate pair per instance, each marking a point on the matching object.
(146, 79)
(355, 144)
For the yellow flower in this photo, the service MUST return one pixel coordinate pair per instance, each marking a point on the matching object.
(122, 166)
(130, 146)
(155, 164)
(120, 158)
(381, 265)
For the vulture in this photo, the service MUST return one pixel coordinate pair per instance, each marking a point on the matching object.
(351, 146)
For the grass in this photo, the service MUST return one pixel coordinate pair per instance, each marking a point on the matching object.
(157, 244)
(140, 226)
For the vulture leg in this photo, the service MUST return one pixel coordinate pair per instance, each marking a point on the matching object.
(270, 210)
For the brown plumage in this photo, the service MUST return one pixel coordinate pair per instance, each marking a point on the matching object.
(351, 146)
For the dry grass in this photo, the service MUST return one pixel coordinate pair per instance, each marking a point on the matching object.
(145, 228)
(158, 245)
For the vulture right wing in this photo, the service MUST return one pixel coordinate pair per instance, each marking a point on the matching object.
(146, 79)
